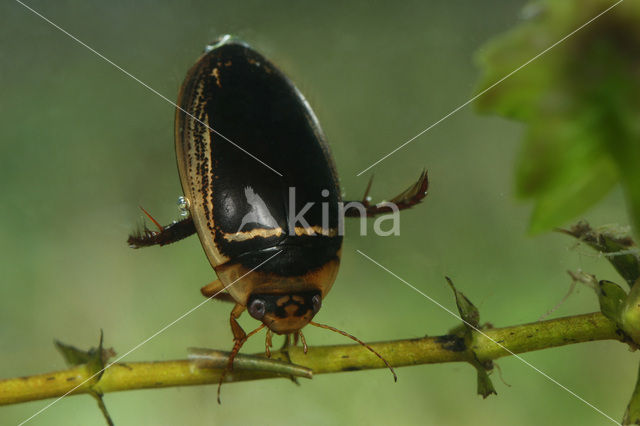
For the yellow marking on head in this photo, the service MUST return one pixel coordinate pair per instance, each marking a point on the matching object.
(297, 298)
(287, 325)
(282, 300)
(291, 310)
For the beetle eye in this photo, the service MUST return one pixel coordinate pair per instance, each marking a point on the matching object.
(317, 303)
(257, 309)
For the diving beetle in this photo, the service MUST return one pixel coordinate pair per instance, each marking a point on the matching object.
(261, 191)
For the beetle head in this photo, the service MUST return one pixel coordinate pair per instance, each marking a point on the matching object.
(285, 313)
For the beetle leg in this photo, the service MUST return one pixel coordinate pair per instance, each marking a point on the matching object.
(285, 351)
(268, 344)
(305, 348)
(217, 291)
(238, 332)
(171, 233)
(406, 199)
(286, 343)
(236, 347)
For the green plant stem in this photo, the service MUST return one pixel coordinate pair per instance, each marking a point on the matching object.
(632, 414)
(321, 359)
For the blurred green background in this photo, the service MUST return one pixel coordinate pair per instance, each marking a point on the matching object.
(82, 145)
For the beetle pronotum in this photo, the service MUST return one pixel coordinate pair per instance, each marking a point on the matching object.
(242, 209)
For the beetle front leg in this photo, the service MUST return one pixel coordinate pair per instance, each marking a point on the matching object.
(239, 337)
(238, 333)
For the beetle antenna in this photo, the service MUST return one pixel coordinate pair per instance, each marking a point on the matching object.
(155, 222)
(236, 348)
(328, 327)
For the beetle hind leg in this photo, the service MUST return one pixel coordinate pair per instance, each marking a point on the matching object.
(171, 233)
(406, 199)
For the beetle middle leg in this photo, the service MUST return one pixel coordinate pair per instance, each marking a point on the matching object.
(406, 199)
(217, 291)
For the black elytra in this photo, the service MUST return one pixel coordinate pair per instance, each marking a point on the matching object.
(245, 205)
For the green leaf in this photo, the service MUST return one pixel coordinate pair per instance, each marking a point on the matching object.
(580, 102)
(468, 330)
(611, 297)
(632, 414)
(95, 360)
(630, 314)
(468, 312)
(485, 385)
(211, 358)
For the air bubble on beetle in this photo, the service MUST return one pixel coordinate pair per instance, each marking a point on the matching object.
(183, 206)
